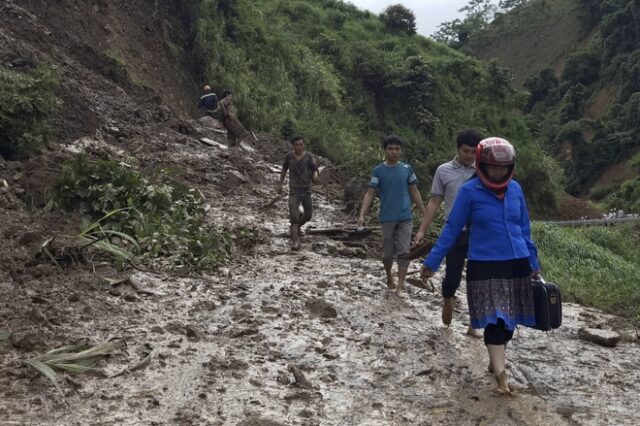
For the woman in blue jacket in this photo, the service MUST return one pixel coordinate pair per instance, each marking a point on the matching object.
(502, 257)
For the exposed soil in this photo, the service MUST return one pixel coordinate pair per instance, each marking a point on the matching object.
(275, 337)
(572, 208)
(600, 102)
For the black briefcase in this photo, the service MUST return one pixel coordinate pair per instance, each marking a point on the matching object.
(547, 304)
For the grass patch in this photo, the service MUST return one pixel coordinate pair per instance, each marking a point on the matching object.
(593, 266)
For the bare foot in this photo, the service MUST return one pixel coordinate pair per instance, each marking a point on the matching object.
(503, 384)
(391, 284)
(473, 333)
(400, 290)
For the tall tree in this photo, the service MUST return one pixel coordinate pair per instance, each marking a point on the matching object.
(399, 19)
(478, 15)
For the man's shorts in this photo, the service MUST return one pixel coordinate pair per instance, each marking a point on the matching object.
(396, 240)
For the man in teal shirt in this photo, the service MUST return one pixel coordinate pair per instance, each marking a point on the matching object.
(396, 183)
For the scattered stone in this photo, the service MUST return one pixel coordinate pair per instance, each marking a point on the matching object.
(605, 338)
(283, 378)
(255, 382)
(258, 421)
(245, 332)
(130, 297)
(74, 298)
(213, 143)
(321, 309)
(233, 178)
(306, 413)
(300, 379)
(191, 332)
(39, 300)
(157, 329)
(303, 396)
(25, 341)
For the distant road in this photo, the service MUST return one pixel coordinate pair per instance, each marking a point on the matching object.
(592, 222)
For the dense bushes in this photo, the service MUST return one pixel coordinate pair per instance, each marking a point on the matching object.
(26, 101)
(345, 78)
(164, 219)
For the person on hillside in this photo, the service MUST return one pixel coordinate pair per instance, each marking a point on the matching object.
(235, 129)
(448, 179)
(303, 171)
(396, 184)
(209, 102)
(502, 258)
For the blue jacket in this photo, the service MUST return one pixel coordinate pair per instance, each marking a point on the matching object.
(498, 229)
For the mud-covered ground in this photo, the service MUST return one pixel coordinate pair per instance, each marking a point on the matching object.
(292, 338)
(276, 337)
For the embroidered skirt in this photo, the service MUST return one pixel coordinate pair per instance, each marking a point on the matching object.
(500, 289)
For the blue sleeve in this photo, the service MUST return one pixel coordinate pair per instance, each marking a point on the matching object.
(375, 179)
(456, 221)
(525, 225)
(413, 179)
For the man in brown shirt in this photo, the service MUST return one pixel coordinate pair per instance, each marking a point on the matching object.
(303, 171)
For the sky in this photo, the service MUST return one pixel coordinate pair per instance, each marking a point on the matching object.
(429, 13)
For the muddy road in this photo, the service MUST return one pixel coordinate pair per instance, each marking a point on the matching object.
(308, 338)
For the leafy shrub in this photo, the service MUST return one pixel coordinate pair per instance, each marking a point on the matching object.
(166, 218)
(26, 101)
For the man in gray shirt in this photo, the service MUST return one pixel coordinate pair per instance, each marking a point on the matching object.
(448, 179)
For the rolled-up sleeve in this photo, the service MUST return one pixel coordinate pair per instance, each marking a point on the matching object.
(375, 180)
(413, 179)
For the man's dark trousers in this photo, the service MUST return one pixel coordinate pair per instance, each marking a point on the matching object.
(455, 264)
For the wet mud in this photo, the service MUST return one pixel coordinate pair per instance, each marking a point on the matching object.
(314, 338)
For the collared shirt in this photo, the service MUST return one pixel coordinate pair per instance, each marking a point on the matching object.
(499, 229)
(393, 182)
(448, 179)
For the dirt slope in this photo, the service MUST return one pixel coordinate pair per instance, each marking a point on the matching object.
(277, 338)
(541, 38)
(118, 61)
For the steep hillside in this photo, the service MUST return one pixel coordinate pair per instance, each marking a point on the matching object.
(116, 61)
(344, 79)
(581, 76)
(539, 36)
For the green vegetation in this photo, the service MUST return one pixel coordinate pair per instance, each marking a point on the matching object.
(594, 266)
(76, 359)
(26, 101)
(627, 196)
(345, 77)
(157, 219)
(579, 61)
